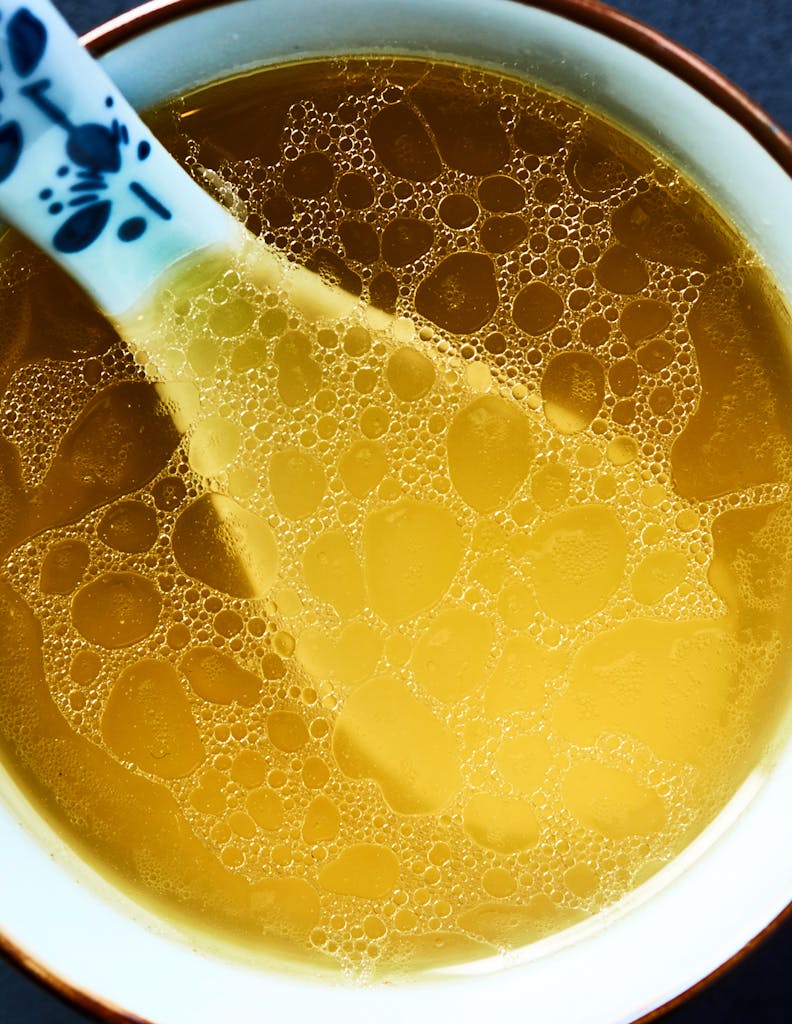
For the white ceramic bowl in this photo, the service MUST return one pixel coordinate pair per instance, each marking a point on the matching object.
(69, 926)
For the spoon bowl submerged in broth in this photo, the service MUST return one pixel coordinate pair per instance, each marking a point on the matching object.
(522, 573)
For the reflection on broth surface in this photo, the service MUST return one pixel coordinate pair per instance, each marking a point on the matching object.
(389, 643)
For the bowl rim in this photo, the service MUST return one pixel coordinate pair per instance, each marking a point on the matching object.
(636, 36)
(593, 14)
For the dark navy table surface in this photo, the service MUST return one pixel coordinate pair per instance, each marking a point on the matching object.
(751, 42)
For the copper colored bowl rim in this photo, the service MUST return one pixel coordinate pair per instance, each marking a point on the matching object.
(640, 38)
(593, 14)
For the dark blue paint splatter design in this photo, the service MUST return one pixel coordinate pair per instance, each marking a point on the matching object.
(95, 147)
(10, 148)
(149, 200)
(94, 151)
(27, 41)
(82, 200)
(89, 222)
(132, 229)
(89, 185)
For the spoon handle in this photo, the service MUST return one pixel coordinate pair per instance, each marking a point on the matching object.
(81, 175)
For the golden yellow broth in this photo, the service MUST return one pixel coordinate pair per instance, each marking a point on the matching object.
(385, 647)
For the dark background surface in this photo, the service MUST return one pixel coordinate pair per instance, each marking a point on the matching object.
(751, 42)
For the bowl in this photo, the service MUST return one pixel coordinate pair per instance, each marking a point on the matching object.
(71, 928)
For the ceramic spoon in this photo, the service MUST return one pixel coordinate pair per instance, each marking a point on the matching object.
(85, 179)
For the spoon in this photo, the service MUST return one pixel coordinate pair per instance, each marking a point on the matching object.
(85, 179)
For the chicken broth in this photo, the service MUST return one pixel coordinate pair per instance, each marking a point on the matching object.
(387, 642)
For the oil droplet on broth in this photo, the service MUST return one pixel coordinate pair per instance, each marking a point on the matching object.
(490, 448)
(117, 609)
(410, 374)
(222, 544)
(322, 821)
(129, 526)
(64, 567)
(639, 679)
(521, 676)
(334, 574)
(573, 390)
(363, 870)
(216, 677)
(449, 658)
(369, 742)
(608, 800)
(148, 721)
(412, 551)
(411, 637)
(579, 561)
(523, 761)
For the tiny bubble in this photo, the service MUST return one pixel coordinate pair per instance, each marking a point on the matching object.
(109, 101)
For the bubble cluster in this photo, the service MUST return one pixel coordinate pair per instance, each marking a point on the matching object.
(394, 641)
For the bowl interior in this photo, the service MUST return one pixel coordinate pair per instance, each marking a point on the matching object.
(674, 930)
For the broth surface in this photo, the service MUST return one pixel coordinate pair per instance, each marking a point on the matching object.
(387, 646)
